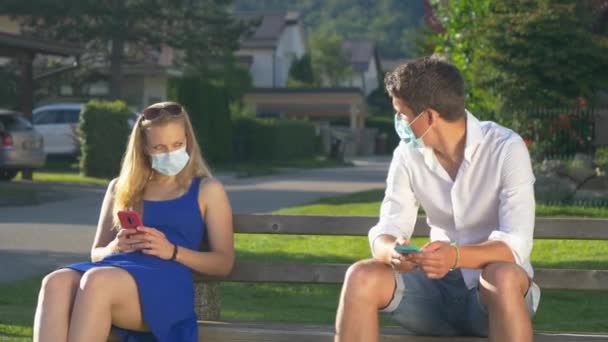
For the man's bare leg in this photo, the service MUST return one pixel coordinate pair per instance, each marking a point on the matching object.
(502, 289)
(368, 287)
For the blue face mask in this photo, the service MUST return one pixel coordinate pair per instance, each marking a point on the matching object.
(404, 130)
(170, 163)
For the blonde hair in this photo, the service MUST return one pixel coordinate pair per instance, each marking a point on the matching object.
(136, 170)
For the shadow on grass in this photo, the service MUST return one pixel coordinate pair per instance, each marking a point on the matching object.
(574, 264)
(23, 194)
(292, 257)
(369, 196)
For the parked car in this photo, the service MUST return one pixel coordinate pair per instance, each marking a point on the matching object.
(21, 147)
(58, 124)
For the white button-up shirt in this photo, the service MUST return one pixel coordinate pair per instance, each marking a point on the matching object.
(491, 198)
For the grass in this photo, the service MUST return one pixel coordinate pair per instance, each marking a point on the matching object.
(63, 170)
(367, 203)
(58, 177)
(576, 311)
(266, 168)
(17, 303)
(582, 311)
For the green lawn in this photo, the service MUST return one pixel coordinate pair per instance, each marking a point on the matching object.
(17, 304)
(583, 311)
(63, 177)
(266, 168)
(367, 203)
(63, 170)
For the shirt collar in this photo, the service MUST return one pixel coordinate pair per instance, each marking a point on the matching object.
(474, 136)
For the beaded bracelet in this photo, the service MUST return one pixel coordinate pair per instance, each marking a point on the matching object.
(457, 258)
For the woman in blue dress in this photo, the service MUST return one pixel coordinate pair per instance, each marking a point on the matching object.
(141, 284)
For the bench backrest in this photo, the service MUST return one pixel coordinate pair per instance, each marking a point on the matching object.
(545, 228)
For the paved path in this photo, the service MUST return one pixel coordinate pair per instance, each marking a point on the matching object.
(36, 239)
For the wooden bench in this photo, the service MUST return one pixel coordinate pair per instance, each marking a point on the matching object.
(212, 330)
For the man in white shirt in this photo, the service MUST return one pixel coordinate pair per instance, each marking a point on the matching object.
(475, 182)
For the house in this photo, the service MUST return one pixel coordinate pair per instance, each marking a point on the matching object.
(145, 74)
(279, 38)
(389, 65)
(365, 64)
(23, 51)
(269, 51)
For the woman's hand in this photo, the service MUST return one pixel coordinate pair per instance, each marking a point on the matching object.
(126, 240)
(155, 243)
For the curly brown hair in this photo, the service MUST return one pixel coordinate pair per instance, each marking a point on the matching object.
(428, 82)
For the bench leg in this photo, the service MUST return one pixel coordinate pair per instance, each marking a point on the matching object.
(207, 300)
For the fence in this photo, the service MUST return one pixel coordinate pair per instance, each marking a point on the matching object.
(560, 133)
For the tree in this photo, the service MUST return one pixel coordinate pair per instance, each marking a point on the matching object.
(9, 87)
(328, 59)
(301, 72)
(392, 24)
(457, 35)
(204, 29)
(524, 53)
(544, 53)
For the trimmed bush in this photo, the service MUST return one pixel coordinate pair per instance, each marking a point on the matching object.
(103, 131)
(601, 158)
(386, 125)
(208, 106)
(269, 139)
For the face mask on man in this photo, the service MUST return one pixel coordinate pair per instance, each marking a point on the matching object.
(405, 132)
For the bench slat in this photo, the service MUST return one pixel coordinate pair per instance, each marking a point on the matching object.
(546, 228)
(263, 331)
(214, 331)
(334, 274)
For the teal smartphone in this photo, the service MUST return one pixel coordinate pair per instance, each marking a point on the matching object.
(407, 249)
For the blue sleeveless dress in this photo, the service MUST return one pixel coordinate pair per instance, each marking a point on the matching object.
(166, 289)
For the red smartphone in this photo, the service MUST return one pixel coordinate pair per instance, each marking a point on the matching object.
(130, 219)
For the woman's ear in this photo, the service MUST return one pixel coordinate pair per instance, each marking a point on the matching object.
(146, 151)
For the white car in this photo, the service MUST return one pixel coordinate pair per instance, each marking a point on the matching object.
(58, 124)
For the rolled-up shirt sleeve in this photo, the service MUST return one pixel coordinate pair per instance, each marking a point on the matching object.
(516, 212)
(399, 207)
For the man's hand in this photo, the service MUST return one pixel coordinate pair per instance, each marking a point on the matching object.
(400, 262)
(436, 259)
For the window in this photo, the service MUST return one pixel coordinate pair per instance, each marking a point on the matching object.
(47, 117)
(14, 123)
(70, 116)
(50, 117)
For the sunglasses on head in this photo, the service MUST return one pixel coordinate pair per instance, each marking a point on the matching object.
(172, 109)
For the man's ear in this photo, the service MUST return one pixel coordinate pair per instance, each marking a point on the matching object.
(433, 116)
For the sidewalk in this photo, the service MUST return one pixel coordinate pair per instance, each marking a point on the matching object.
(36, 239)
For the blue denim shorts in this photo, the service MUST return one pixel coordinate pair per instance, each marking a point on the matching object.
(443, 307)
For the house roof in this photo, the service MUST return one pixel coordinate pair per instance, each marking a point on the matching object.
(360, 52)
(306, 90)
(389, 65)
(14, 43)
(268, 32)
